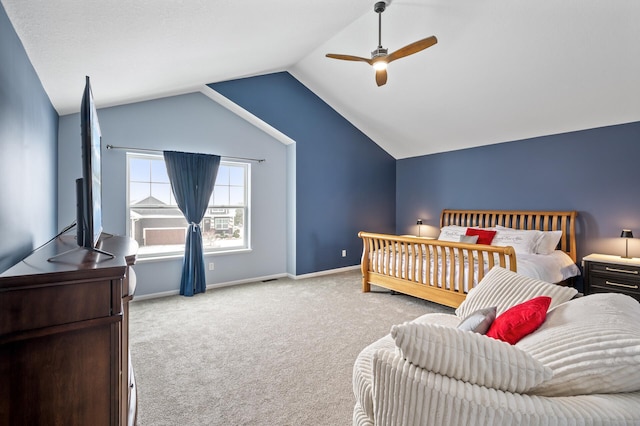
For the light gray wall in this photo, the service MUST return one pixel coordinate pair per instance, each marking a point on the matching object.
(291, 209)
(193, 123)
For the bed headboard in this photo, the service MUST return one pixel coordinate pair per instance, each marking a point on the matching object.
(539, 220)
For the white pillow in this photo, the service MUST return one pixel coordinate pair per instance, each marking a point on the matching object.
(504, 289)
(548, 242)
(469, 357)
(452, 233)
(523, 241)
(592, 344)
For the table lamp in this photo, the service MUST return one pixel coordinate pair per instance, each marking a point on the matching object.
(626, 234)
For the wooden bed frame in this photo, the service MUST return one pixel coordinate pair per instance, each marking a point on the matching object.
(389, 260)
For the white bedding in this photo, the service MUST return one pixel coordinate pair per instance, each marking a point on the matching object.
(552, 268)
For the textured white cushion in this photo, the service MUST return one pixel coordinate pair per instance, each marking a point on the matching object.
(503, 288)
(440, 318)
(469, 357)
(592, 344)
(452, 233)
(409, 395)
(362, 379)
(363, 374)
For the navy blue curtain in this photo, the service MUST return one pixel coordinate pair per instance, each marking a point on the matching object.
(192, 178)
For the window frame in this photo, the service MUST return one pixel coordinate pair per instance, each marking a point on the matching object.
(212, 208)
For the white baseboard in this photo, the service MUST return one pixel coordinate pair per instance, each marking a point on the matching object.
(249, 280)
(209, 286)
(154, 295)
(246, 281)
(321, 273)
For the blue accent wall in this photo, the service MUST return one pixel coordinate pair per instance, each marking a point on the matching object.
(28, 143)
(342, 181)
(596, 172)
(345, 183)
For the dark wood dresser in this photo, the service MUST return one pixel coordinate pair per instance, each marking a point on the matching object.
(611, 274)
(64, 336)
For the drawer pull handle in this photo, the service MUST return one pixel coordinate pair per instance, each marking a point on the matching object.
(621, 270)
(622, 285)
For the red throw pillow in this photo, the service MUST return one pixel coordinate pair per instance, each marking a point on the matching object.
(484, 236)
(520, 320)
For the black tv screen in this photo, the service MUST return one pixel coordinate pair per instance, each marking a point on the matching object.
(89, 190)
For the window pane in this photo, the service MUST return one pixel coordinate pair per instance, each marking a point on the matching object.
(139, 169)
(138, 192)
(158, 231)
(223, 175)
(161, 192)
(223, 229)
(159, 172)
(236, 176)
(221, 196)
(236, 196)
(238, 218)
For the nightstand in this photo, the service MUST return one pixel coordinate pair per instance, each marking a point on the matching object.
(611, 274)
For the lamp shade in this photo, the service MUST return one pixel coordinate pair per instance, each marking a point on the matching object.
(626, 233)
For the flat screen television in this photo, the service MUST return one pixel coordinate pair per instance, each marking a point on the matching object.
(89, 187)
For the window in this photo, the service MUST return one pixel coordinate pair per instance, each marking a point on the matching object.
(158, 225)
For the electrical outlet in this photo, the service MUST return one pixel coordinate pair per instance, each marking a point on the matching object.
(211, 266)
(344, 253)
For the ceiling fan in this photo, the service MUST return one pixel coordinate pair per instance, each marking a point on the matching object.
(379, 57)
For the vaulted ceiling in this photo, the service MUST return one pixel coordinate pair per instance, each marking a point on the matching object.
(502, 70)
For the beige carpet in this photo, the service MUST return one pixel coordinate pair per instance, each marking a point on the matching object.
(273, 353)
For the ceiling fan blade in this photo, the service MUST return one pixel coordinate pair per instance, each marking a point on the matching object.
(381, 77)
(412, 48)
(348, 57)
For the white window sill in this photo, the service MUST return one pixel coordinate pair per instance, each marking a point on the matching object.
(170, 256)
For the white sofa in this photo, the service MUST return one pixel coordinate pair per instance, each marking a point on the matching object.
(580, 367)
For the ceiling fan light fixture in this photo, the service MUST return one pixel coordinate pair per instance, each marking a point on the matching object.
(380, 64)
(380, 57)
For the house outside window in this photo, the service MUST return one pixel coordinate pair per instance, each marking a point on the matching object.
(158, 225)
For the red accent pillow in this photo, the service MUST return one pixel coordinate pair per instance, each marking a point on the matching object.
(484, 236)
(520, 320)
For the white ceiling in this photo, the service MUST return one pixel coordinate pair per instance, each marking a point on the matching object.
(502, 70)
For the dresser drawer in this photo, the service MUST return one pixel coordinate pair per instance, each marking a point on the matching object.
(628, 271)
(613, 278)
(36, 307)
(608, 285)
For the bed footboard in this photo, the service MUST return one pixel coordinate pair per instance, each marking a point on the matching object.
(438, 271)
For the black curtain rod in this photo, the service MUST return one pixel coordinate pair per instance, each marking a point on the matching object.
(160, 151)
